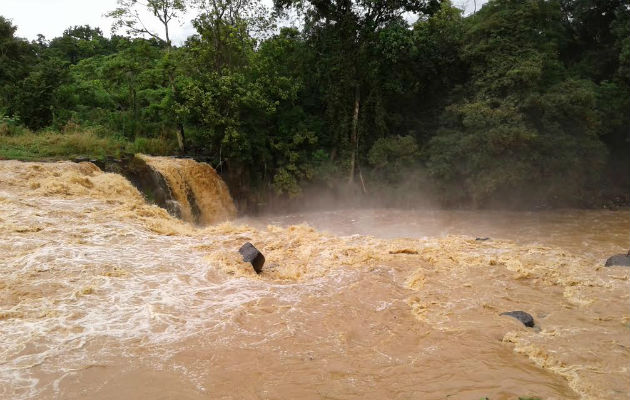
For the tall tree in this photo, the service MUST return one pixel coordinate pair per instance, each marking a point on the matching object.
(36, 99)
(345, 30)
(127, 92)
(16, 59)
(524, 129)
(593, 49)
(129, 15)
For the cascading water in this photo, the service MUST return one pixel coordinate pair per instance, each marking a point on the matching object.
(105, 296)
(202, 196)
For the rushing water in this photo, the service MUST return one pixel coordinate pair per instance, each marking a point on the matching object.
(593, 234)
(103, 296)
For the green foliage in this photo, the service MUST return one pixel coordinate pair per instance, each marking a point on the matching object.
(512, 47)
(393, 157)
(15, 53)
(491, 151)
(160, 146)
(127, 16)
(36, 96)
(127, 92)
(79, 43)
(525, 129)
(243, 108)
(54, 145)
(11, 126)
(76, 141)
(16, 59)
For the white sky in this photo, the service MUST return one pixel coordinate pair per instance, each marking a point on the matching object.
(52, 17)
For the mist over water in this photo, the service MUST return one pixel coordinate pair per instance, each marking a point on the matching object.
(592, 233)
(104, 296)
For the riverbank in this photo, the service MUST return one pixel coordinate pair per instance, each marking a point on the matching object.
(113, 153)
(60, 146)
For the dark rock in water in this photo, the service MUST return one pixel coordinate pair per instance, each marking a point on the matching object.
(174, 208)
(192, 202)
(618, 260)
(151, 183)
(522, 316)
(147, 180)
(81, 159)
(252, 255)
(482, 239)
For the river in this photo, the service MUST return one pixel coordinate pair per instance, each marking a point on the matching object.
(104, 296)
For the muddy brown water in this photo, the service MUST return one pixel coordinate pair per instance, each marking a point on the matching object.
(590, 233)
(103, 296)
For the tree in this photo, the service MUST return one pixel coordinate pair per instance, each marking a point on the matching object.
(36, 97)
(593, 48)
(523, 130)
(29, 78)
(16, 59)
(128, 92)
(128, 15)
(345, 30)
(254, 13)
(80, 42)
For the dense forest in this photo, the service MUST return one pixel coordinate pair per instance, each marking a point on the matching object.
(521, 103)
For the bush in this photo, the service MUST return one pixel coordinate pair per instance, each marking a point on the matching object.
(11, 126)
(154, 146)
(392, 156)
(492, 154)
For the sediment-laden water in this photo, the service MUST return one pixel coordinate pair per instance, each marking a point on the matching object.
(202, 196)
(104, 296)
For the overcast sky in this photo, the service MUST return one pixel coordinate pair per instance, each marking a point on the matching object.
(52, 17)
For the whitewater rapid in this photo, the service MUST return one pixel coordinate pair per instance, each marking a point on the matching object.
(105, 296)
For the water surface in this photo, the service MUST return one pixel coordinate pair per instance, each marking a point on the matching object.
(104, 296)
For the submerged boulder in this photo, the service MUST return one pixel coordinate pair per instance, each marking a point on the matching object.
(618, 260)
(174, 208)
(522, 316)
(252, 255)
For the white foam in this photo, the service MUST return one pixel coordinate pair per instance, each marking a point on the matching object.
(164, 295)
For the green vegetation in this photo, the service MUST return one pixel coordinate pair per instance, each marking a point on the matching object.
(52, 146)
(524, 101)
(78, 143)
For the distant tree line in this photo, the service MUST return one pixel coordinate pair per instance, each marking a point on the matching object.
(522, 100)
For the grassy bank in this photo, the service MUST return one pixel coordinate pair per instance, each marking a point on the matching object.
(50, 145)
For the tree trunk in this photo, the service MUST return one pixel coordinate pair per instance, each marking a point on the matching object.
(180, 125)
(134, 110)
(168, 39)
(180, 138)
(354, 136)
